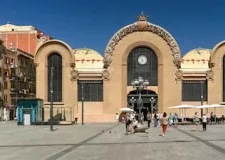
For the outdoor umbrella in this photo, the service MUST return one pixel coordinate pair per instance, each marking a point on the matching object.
(126, 109)
(183, 106)
(212, 106)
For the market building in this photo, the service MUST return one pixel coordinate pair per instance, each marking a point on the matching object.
(102, 84)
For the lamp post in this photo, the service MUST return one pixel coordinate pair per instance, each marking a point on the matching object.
(132, 101)
(202, 97)
(82, 98)
(152, 100)
(51, 107)
(140, 84)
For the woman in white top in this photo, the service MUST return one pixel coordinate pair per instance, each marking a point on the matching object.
(204, 122)
(196, 121)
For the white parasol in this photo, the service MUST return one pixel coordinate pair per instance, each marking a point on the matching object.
(212, 106)
(126, 109)
(183, 106)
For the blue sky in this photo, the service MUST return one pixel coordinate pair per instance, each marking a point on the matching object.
(91, 23)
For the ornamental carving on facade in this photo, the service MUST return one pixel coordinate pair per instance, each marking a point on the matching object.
(105, 74)
(179, 75)
(209, 75)
(72, 65)
(74, 74)
(36, 64)
(142, 26)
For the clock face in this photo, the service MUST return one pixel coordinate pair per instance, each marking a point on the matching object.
(142, 59)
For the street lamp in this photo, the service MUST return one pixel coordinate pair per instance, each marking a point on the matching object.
(51, 93)
(202, 97)
(82, 98)
(152, 100)
(140, 84)
(132, 101)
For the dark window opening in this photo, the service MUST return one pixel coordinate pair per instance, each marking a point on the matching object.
(192, 90)
(55, 61)
(92, 90)
(146, 67)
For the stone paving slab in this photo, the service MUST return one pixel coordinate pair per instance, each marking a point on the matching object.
(214, 132)
(117, 135)
(29, 153)
(109, 142)
(11, 134)
(219, 143)
(157, 151)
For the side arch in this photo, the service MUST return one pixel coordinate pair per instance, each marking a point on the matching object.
(216, 63)
(213, 52)
(52, 43)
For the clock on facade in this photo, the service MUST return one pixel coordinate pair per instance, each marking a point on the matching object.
(142, 59)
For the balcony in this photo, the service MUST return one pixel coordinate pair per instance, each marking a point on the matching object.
(13, 91)
(14, 78)
(32, 94)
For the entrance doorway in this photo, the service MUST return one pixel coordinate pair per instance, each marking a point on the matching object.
(146, 95)
(27, 117)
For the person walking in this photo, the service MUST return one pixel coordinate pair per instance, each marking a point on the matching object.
(175, 119)
(164, 122)
(117, 117)
(204, 122)
(196, 121)
(149, 117)
(127, 122)
(156, 120)
(170, 119)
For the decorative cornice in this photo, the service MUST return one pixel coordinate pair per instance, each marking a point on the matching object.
(36, 64)
(105, 74)
(89, 60)
(72, 65)
(209, 75)
(194, 60)
(74, 74)
(179, 75)
(135, 27)
(211, 65)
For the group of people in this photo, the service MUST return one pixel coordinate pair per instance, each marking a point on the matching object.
(132, 121)
(172, 119)
(205, 120)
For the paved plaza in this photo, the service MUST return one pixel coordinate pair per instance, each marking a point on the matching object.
(109, 142)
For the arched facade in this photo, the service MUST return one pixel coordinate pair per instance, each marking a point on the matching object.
(51, 53)
(141, 33)
(103, 82)
(216, 64)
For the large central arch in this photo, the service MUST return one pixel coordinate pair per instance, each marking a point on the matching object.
(139, 34)
(142, 26)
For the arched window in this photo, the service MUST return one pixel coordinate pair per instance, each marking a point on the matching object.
(142, 62)
(55, 61)
(224, 78)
